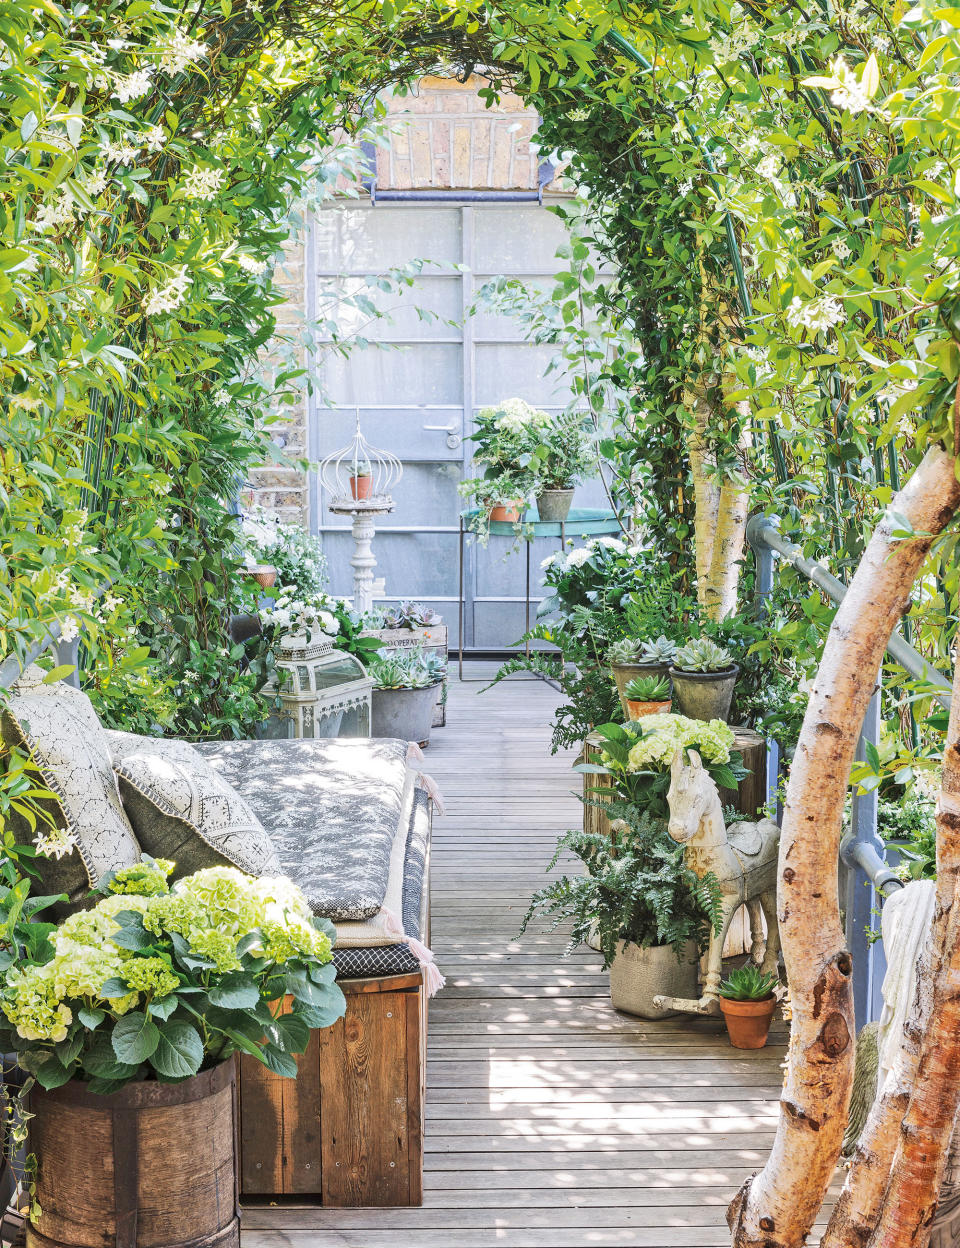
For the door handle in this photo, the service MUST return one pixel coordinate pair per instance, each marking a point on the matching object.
(452, 431)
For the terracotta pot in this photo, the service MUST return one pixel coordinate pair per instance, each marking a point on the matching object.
(506, 513)
(748, 1021)
(637, 710)
(263, 574)
(361, 487)
(704, 695)
(623, 673)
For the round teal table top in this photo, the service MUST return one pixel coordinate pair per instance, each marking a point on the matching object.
(581, 522)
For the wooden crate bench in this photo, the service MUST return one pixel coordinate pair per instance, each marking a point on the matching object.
(349, 1129)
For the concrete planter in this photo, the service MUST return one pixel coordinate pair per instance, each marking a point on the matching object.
(704, 695)
(553, 506)
(623, 673)
(404, 713)
(638, 975)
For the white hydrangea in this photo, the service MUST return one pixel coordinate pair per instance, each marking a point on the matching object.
(202, 183)
(663, 735)
(515, 415)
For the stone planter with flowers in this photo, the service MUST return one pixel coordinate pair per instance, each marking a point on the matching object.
(633, 659)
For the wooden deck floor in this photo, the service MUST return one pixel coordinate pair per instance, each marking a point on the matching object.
(552, 1121)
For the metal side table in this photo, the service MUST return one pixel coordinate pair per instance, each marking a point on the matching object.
(582, 522)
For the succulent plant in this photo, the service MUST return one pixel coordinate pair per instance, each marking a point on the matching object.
(647, 689)
(624, 651)
(361, 468)
(662, 650)
(702, 655)
(748, 983)
(406, 669)
(411, 615)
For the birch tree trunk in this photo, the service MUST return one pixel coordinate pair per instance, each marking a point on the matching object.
(856, 1212)
(777, 1207)
(703, 469)
(729, 540)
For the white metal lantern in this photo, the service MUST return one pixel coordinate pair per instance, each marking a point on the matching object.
(358, 479)
(322, 692)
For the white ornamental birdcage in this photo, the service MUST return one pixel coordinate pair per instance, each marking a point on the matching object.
(359, 477)
(322, 692)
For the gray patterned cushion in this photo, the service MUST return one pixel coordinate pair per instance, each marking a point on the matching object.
(397, 959)
(58, 726)
(183, 810)
(333, 808)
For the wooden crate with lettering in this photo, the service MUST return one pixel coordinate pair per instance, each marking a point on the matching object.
(348, 1131)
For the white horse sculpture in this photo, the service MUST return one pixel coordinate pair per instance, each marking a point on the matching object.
(743, 860)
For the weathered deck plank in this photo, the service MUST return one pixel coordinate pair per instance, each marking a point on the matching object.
(552, 1121)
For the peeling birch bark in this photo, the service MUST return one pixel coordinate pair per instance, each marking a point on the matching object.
(777, 1207)
(855, 1215)
(923, 1134)
(726, 556)
(706, 490)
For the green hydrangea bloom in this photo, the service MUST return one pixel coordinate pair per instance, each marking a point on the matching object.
(151, 976)
(145, 879)
(32, 1004)
(663, 735)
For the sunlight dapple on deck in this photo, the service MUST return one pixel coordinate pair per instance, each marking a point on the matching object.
(551, 1120)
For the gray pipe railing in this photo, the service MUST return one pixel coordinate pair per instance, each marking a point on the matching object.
(862, 851)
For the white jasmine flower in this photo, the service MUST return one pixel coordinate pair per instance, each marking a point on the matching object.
(202, 183)
(820, 314)
(132, 86)
(122, 153)
(69, 629)
(769, 167)
(252, 265)
(154, 139)
(60, 212)
(221, 398)
(179, 52)
(95, 183)
(685, 188)
(54, 843)
(169, 296)
(841, 250)
(850, 95)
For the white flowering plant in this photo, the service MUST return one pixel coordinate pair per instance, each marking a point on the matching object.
(289, 612)
(296, 554)
(160, 982)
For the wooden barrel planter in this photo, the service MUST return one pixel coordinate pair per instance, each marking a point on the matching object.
(151, 1166)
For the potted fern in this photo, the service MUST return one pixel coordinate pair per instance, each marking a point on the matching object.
(704, 675)
(637, 903)
(748, 998)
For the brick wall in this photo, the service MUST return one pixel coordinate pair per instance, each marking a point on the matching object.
(447, 139)
(444, 138)
(279, 487)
